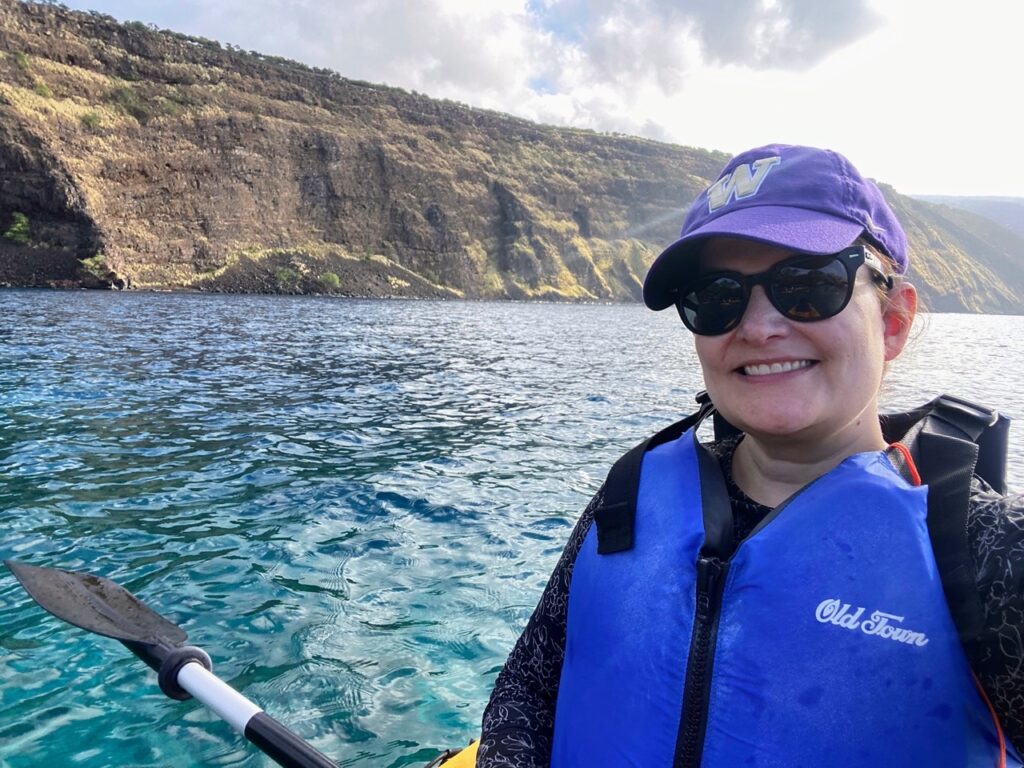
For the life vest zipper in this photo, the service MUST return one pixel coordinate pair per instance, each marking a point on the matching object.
(697, 687)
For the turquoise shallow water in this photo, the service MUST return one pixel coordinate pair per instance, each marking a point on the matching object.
(352, 505)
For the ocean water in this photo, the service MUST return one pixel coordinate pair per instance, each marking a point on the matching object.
(351, 505)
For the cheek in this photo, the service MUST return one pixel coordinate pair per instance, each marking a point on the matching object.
(869, 324)
(711, 352)
(709, 349)
(867, 358)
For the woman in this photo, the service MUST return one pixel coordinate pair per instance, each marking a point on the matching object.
(772, 598)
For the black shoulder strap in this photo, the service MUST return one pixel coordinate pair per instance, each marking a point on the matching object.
(945, 441)
(616, 515)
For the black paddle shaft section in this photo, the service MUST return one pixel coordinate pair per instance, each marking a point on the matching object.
(283, 746)
(101, 606)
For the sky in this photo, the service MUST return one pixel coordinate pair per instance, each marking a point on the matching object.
(920, 94)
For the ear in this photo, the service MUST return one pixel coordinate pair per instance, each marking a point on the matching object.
(898, 317)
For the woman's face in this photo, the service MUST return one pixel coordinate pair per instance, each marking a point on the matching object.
(835, 365)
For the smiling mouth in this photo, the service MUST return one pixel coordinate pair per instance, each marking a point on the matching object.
(767, 369)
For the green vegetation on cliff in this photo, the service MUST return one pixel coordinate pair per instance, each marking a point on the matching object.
(19, 232)
(194, 165)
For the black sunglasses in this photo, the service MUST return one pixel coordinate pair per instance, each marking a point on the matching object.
(804, 288)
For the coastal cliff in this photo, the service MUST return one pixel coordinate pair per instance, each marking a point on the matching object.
(138, 158)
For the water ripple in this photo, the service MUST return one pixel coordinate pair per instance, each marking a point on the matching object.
(352, 505)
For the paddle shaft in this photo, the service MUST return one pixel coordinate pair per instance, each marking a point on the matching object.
(99, 605)
(276, 741)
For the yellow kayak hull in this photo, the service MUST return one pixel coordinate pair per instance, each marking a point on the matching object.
(451, 759)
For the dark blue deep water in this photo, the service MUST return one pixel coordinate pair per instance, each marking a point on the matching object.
(351, 505)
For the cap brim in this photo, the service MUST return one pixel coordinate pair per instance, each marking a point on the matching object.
(797, 229)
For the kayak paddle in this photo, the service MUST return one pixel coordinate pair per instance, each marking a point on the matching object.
(101, 606)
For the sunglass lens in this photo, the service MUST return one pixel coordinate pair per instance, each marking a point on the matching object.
(713, 306)
(811, 289)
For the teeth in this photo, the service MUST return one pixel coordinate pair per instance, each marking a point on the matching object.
(764, 370)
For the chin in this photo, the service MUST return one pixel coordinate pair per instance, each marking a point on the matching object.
(779, 421)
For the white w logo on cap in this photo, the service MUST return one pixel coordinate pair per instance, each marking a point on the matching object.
(743, 182)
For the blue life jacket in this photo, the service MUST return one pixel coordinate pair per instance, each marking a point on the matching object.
(825, 638)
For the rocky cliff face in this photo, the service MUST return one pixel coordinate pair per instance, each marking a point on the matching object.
(149, 159)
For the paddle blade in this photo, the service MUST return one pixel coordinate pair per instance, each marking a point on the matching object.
(96, 604)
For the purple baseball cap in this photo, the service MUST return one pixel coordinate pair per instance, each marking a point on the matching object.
(799, 198)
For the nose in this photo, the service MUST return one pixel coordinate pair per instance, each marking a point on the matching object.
(761, 321)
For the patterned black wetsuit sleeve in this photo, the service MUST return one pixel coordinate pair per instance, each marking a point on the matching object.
(995, 530)
(519, 720)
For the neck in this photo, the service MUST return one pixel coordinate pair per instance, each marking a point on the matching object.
(770, 469)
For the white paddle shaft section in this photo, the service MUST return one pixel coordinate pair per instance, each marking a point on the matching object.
(217, 695)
